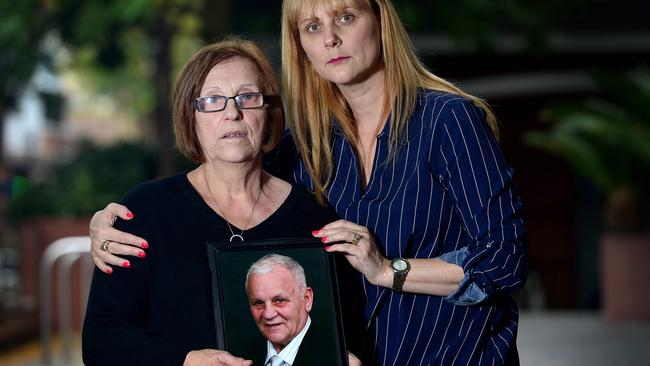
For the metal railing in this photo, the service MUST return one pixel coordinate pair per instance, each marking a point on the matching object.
(66, 251)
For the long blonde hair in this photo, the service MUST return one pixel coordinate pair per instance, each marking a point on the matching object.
(312, 102)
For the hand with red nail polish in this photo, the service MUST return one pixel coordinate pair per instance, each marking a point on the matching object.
(116, 243)
(359, 247)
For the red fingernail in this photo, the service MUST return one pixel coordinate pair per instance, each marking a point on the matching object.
(315, 232)
(109, 270)
(129, 215)
(142, 255)
(144, 245)
(126, 264)
(323, 239)
(327, 247)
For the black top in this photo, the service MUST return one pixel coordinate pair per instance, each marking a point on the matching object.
(161, 308)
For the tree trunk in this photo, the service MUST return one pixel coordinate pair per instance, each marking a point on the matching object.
(216, 22)
(216, 17)
(2, 136)
(162, 119)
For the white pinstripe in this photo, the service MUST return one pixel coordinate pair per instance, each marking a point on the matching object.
(450, 176)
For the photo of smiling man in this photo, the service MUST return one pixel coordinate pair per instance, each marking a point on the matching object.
(280, 302)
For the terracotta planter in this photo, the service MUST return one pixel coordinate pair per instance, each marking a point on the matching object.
(625, 274)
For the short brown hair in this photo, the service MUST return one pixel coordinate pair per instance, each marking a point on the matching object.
(190, 81)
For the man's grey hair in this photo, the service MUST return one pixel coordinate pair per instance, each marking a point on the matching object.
(265, 265)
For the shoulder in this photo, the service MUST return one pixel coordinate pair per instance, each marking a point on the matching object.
(154, 202)
(446, 114)
(441, 106)
(306, 198)
(155, 190)
(281, 161)
(307, 205)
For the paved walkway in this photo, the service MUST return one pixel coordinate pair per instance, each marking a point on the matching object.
(545, 339)
(576, 339)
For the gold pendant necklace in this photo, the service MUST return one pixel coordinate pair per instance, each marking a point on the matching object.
(233, 235)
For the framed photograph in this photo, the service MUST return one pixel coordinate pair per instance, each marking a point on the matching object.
(238, 331)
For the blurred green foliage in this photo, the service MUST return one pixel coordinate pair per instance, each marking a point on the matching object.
(132, 49)
(122, 48)
(479, 23)
(98, 175)
(607, 140)
(129, 49)
(21, 29)
(116, 47)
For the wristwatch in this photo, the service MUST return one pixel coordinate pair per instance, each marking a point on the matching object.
(400, 267)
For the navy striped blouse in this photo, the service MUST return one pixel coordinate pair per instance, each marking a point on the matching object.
(450, 194)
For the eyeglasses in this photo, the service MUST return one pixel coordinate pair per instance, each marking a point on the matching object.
(216, 103)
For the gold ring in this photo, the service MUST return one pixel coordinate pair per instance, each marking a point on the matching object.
(104, 245)
(355, 239)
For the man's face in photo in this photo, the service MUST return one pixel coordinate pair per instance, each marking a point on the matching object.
(279, 305)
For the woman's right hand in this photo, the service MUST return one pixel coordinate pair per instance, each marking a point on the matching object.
(213, 357)
(118, 242)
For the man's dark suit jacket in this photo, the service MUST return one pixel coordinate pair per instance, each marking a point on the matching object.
(315, 350)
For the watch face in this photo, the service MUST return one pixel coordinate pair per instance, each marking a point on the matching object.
(400, 265)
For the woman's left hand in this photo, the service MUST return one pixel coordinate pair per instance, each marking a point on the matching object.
(359, 249)
(353, 360)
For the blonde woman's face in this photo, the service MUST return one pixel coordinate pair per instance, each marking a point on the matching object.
(344, 46)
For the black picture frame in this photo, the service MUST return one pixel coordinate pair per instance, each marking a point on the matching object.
(236, 331)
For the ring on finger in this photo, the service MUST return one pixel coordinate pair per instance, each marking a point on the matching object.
(355, 239)
(104, 245)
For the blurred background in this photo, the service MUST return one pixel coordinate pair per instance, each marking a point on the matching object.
(85, 114)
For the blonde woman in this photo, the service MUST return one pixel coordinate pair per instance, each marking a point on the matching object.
(430, 215)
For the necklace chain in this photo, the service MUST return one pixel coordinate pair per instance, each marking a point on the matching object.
(250, 218)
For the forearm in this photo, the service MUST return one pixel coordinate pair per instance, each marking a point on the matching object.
(426, 276)
(481, 187)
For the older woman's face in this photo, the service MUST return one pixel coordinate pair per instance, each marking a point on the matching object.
(344, 47)
(232, 135)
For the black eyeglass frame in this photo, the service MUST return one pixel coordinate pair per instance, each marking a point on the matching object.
(195, 103)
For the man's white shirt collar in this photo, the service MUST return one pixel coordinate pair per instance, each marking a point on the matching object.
(288, 353)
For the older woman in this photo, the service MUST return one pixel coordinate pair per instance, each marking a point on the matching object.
(227, 112)
(431, 215)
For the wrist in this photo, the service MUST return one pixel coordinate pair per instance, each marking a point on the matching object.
(384, 276)
(400, 268)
